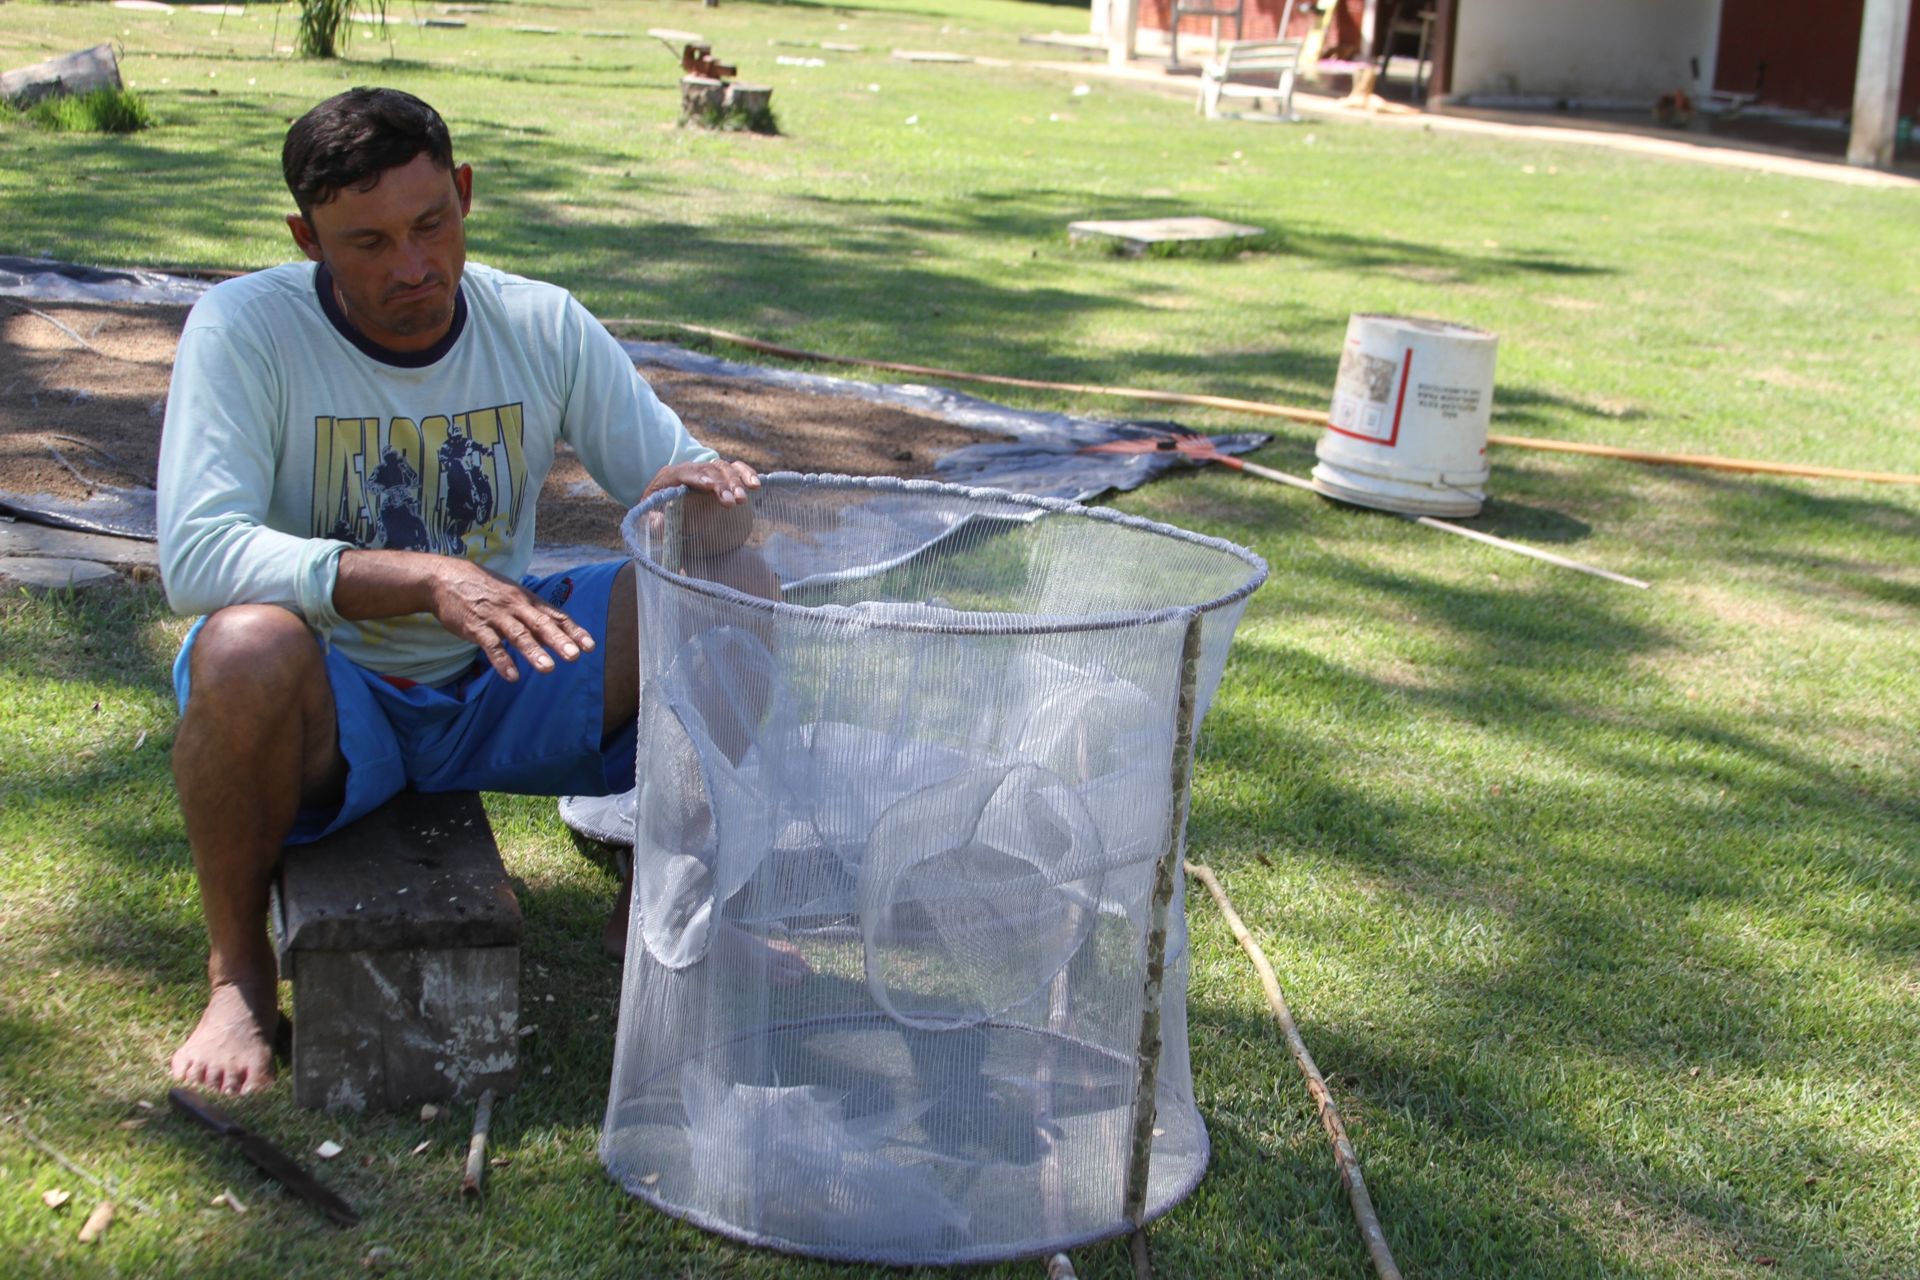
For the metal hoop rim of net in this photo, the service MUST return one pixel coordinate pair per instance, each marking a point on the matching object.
(631, 535)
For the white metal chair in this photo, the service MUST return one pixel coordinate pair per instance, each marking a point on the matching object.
(1243, 58)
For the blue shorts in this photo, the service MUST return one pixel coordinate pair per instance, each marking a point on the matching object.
(539, 735)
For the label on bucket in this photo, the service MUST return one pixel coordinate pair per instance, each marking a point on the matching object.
(1448, 402)
(1368, 394)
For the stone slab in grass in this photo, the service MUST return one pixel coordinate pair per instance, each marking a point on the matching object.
(70, 73)
(1138, 235)
(37, 573)
(20, 539)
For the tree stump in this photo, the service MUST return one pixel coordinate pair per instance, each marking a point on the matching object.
(701, 98)
(748, 99)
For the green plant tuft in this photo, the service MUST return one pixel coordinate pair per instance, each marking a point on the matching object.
(735, 119)
(99, 111)
(326, 26)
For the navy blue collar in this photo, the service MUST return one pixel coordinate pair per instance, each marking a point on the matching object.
(323, 285)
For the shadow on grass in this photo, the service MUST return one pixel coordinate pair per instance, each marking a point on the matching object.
(534, 217)
(1836, 547)
(1612, 902)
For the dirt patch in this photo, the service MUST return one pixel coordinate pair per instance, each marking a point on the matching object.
(83, 390)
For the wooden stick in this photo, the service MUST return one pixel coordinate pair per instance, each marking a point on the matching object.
(1343, 1156)
(1165, 873)
(1262, 409)
(1266, 473)
(62, 327)
(1518, 548)
(1258, 408)
(477, 1146)
(1142, 1259)
(112, 1186)
(1702, 461)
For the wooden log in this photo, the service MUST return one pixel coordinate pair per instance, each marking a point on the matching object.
(70, 73)
(701, 97)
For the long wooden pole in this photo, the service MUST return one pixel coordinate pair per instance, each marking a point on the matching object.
(1306, 417)
(1343, 1156)
(1166, 873)
(1703, 461)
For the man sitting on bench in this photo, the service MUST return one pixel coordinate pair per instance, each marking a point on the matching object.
(353, 450)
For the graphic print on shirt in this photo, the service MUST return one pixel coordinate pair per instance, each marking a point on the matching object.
(451, 484)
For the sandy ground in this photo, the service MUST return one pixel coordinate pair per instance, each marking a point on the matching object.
(83, 390)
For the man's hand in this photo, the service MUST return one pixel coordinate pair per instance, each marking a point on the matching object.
(712, 529)
(499, 615)
(726, 481)
(484, 608)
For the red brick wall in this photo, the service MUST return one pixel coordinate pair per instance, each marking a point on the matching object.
(1260, 18)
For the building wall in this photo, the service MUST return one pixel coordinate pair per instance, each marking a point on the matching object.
(1804, 56)
(1259, 19)
(1632, 51)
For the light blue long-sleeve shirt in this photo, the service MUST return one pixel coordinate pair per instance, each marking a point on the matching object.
(289, 439)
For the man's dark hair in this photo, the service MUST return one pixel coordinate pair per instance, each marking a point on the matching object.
(352, 138)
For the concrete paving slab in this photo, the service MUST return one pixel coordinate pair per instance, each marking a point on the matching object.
(1137, 235)
(21, 539)
(42, 574)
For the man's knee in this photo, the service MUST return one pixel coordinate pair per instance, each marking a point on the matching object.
(254, 651)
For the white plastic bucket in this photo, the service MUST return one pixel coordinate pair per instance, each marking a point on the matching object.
(1408, 431)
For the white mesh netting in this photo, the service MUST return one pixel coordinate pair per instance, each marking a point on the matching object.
(895, 834)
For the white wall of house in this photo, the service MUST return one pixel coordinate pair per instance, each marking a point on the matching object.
(1631, 51)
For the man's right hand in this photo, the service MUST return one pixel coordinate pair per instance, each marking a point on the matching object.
(499, 616)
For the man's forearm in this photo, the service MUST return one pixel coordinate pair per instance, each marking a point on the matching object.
(499, 616)
(388, 584)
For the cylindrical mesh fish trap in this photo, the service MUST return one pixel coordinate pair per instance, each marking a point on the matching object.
(895, 848)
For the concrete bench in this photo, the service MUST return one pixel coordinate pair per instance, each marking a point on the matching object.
(401, 936)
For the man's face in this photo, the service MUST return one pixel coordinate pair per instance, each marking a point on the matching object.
(396, 250)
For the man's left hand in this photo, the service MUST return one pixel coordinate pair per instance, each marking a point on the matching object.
(727, 481)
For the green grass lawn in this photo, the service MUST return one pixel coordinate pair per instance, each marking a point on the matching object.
(1598, 907)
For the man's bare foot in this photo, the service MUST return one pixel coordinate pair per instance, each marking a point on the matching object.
(231, 1051)
(786, 967)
